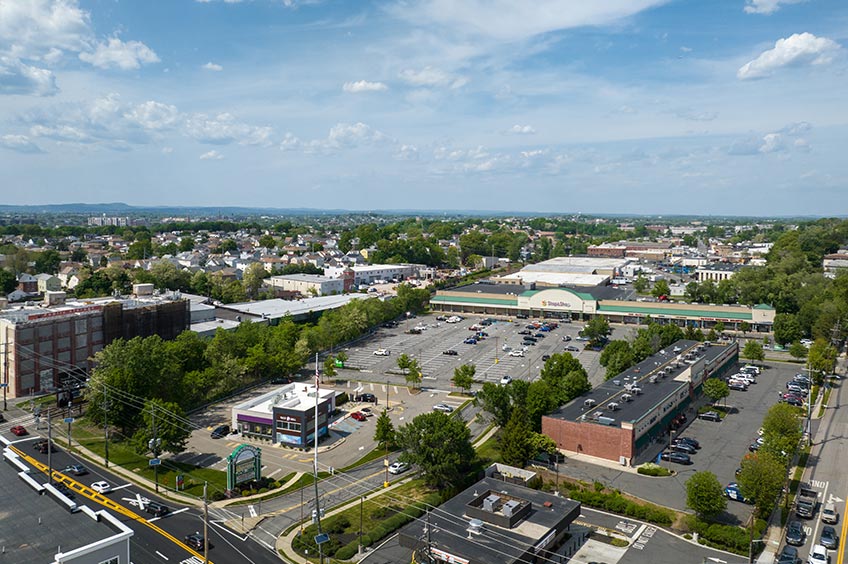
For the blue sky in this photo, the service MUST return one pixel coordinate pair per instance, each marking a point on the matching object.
(609, 106)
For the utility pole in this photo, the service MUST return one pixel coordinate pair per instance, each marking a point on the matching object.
(153, 444)
(5, 369)
(315, 464)
(386, 459)
(49, 446)
(361, 501)
(205, 525)
(106, 407)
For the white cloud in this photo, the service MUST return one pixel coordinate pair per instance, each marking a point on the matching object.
(796, 50)
(364, 86)
(61, 133)
(19, 78)
(37, 27)
(213, 67)
(19, 143)
(224, 128)
(430, 76)
(211, 156)
(154, 115)
(695, 115)
(780, 141)
(115, 53)
(767, 6)
(522, 129)
(167, 150)
(510, 20)
(353, 135)
(406, 153)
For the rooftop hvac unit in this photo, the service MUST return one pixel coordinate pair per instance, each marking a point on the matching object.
(652, 379)
(510, 507)
(606, 421)
(626, 397)
(491, 503)
(589, 402)
(475, 527)
(612, 406)
(635, 390)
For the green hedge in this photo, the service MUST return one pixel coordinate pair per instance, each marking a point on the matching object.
(616, 503)
(651, 469)
(725, 537)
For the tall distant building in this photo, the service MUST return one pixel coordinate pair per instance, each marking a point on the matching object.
(101, 221)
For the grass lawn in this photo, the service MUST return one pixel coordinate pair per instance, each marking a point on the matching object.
(490, 450)
(123, 455)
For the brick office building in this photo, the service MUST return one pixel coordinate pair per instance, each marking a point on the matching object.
(624, 418)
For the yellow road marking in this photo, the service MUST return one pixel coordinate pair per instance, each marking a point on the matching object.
(98, 498)
(844, 532)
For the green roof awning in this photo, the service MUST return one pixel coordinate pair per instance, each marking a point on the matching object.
(474, 300)
(735, 314)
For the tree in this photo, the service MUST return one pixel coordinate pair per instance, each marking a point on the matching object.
(463, 376)
(566, 377)
(753, 350)
(597, 330)
(164, 421)
(341, 356)
(617, 357)
(495, 401)
(744, 327)
(267, 241)
(640, 284)
(716, 389)
(719, 326)
(761, 480)
(440, 445)
(404, 362)
(384, 431)
(330, 367)
(797, 350)
(516, 439)
(781, 430)
(704, 494)
(413, 375)
(48, 261)
(786, 328)
(252, 279)
(692, 293)
(660, 288)
(822, 359)
(7, 281)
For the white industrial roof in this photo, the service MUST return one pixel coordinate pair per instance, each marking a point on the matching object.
(577, 264)
(277, 308)
(559, 278)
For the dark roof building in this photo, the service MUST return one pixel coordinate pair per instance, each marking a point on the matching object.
(623, 418)
(493, 522)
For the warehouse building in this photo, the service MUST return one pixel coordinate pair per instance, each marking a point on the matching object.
(627, 419)
(310, 284)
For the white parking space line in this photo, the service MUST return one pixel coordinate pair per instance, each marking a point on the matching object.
(121, 487)
(277, 471)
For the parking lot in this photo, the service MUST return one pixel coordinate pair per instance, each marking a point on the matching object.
(725, 444)
(488, 355)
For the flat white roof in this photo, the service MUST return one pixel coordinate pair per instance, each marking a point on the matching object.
(296, 396)
(314, 278)
(559, 278)
(277, 308)
(577, 264)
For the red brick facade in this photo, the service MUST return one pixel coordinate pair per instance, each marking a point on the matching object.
(593, 439)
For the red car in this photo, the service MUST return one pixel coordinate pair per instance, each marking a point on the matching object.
(18, 430)
(359, 416)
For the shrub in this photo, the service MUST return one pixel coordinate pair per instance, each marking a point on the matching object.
(337, 525)
(651, 469)
(347, 551)
(619, 542)
(342, 398)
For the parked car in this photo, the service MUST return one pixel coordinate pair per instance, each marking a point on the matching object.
(688, 440)
(524, 332)
(539, 335)
(677, 457)
(367, 411)
(382, 352)
(18, 430)
(795, 534)
(398, 468)
(795, 400)
(546, 357)
(359, 416)
(443, 408)
(519, 353)
(75, 470)
(818, 555)
(450, 352)
(829, 513)
(789, 555)
(566, 338)
(829, 538)
(470, 341)
(737, 386)
(572, 348)
(710, 416)
(368, 398)
(220, 431)
(683, 447)
(506, 380)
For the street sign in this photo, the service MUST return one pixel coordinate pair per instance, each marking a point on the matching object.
(4, 385)
(322, 538)
(68, 420)
(154, 462)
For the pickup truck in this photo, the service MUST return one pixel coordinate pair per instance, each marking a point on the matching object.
(805, 504)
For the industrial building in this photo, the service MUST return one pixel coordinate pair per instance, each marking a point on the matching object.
(626, 419)
(363, 275)
(567, 271)
(286, 415)
(311, 284)
(498, 519)
(43, 344)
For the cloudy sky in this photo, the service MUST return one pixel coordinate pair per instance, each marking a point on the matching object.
(616, 106)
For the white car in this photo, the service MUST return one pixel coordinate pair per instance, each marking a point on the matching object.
(398, 468)
(101, 487)
(516, 353)
(506, 379)
(818, 555)
(443, 407)
(382, 352)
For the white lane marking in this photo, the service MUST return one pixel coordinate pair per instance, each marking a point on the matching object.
(162, 555)
(251, 510)
(121, 487)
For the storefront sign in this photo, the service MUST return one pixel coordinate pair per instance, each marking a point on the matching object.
(243, 465)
